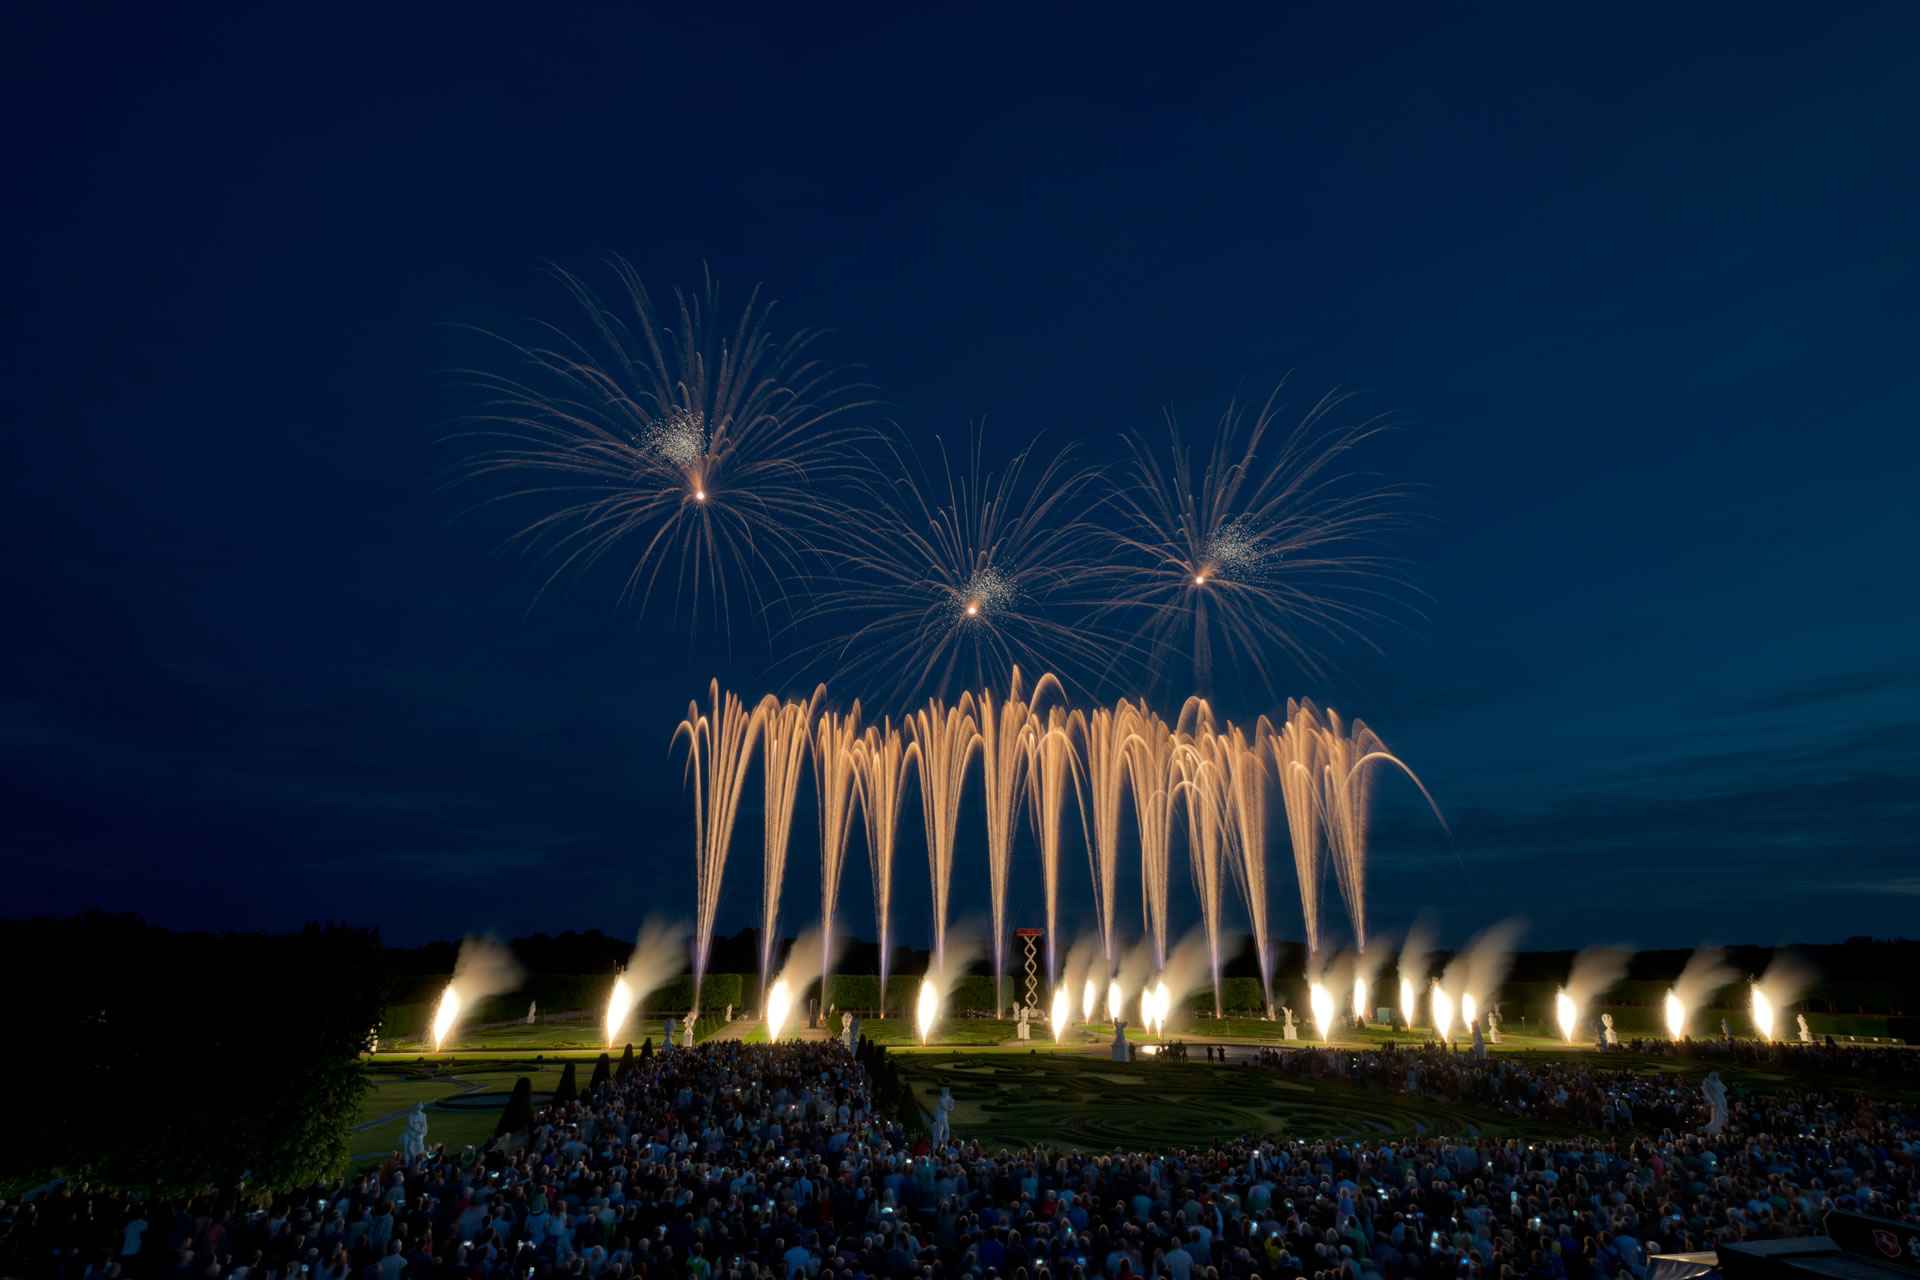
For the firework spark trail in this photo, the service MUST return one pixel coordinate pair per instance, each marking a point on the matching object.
(1267, 543)
(1105, 736)
(1348, 754)
(1151, 776)
(947, 738)
(719, 748)
(1247, 806)
(836, 778)
(785, 735)
(1007, 734)
(1053, 765)
(697, 446)
(958, 580)
(1203, 784)
(881, 760)
(1295, 747)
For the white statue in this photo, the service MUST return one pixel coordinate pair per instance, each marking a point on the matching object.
(1726, 1031)
(1806, 1032)
(1716, 1095)
(1493, 1024)
(533, 1007)
(1613, 1038)
(1021, 1029)
(673, 1025)
(729, 1017)
(686, 1031)
(413, 1139)
(942, 1129)
(1288, 1032)
(846, 1028)
(1479, 1041)
(1122, 1051)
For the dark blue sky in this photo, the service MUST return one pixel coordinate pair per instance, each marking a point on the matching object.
(1640, 282)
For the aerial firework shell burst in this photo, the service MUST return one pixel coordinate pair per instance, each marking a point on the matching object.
(688, 451)
(1265, 548)
(960, 580)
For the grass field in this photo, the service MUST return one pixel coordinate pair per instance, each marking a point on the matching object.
(1078, 1101)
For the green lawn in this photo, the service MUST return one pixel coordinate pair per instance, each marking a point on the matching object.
(1081, 1101)
(455, 1128)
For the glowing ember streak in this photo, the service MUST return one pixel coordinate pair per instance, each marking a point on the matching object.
(883, 758)
(784, 737)
(443, 1017)
(779, 1005)
(1322, 1002)
(1089, 1001)
(836, 777)
(1407, 1005)
(947, 738)
(1568, 1014)
(1762, 1013)
(1053, 764)
(1360, 999)
(1007, 733)
(1062, 1012)
(619, 1004)
(719, 749)
(1104, 735)
(1676, 1016)
(1203, 786)
(1115, 998)
(929, 1010)
(1295, 746)
(1152, 773)
(1442, 1005)
(1247, 841)
(1162, 1002)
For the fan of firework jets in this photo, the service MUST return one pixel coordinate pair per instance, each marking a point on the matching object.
(1034, 757)
(724, 468)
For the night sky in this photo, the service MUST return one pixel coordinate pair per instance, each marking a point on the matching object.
(1638, 283)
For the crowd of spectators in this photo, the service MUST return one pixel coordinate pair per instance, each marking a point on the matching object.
(737, 1162)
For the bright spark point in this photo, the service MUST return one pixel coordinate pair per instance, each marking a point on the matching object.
(987, 592)
(445, 1015)
(1236, 551)
(779, 1005)
(1322, 1002)
(1568, 1014)
(1062, 1011)
(929, 1010)
(1676, 1016)
(619, 1004)
(1762, 1014)
(699, 495)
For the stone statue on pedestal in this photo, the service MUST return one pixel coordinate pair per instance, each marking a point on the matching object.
(1613, 1039)
(1021, 1027)
(533, 1008)
(686, 1030)
(1806, 1032)
(413, 1139)
(1479, 1041)
(1493, 1024)
(942, 1130)
(673, 1025)
(1122, 1051)
(1716, 1095)
(1726, 1030)
(1288, 1032)
(729, 1015)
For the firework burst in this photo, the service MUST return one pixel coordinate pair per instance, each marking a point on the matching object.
(882, 759)
(689, 451)
(956, 582)
(1264, 549)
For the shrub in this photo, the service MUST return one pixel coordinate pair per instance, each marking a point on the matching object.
(567, 1090)
(625, 1068)
(517, 1116)
(602, 1073)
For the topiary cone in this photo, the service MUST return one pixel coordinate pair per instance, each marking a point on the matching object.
(517, 1117)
